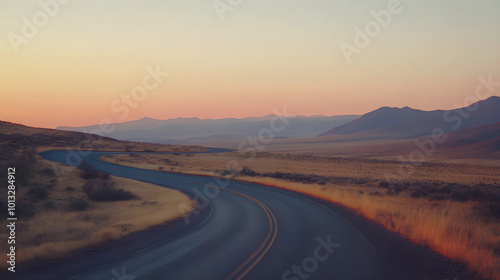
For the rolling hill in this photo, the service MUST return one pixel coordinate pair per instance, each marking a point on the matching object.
(392, 132)
(15, 137)
(408, 123)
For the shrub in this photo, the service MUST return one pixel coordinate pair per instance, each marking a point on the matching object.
(248, 172)
(69, 189)
(37, 193)
(88, 173)
(49, 205)
(78, 205)
(47, 171)
(101, 190)
(104, 175)
(437, 196)
(418, 192)
(383, 184)
(467, 193)
(25, 164)
(25, 209)
(317, 179)
(93, 184)
(445, 189)
(375, 193)
(489, 210)
(129, 148)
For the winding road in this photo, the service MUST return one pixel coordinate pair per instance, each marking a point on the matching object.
(245, 231)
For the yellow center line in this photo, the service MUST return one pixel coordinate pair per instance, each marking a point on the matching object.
(267, 248)
(270, 236)
(263, 248)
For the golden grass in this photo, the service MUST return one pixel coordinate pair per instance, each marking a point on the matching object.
(121, 146)
(53, 233)
(450, 228)
(326, 166)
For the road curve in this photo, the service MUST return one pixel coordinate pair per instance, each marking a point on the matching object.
(245, 231)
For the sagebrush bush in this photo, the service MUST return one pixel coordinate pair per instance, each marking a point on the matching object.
(418, 192)
(25, 209)
(102, 190)
(78, 205)
(248, 172)
(47, 171)
(49, 206)
(489, 210)
(437, 196)
(88, 173)
(37, 193)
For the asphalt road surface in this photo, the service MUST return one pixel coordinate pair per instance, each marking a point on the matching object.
(244, 231)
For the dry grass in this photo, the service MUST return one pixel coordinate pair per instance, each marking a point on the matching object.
(326, 166)
(54, 228)
(451, 228)
(55, 231)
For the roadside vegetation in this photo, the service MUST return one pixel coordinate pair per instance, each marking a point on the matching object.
(80, 207)
(452, 208)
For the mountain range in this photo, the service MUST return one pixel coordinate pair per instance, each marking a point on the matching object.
(471, 132)
(209, 131)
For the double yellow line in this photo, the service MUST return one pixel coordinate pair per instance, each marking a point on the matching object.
(253, 259)
(263, 248)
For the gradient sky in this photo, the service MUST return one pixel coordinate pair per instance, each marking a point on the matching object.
(265, 54)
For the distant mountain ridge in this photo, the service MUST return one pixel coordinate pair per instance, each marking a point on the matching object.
(407, 123)
(200, 131)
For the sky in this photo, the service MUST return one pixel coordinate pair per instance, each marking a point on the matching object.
(77, 63)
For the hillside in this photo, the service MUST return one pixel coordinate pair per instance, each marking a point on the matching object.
(16, 136)
(57, 212)
(482, 141)
(408, 123)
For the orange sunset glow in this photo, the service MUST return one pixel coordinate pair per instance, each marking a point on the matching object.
(257, 57)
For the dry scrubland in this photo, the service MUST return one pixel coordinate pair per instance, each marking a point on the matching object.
(57, 215)
(452, 208)
(18, 137)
